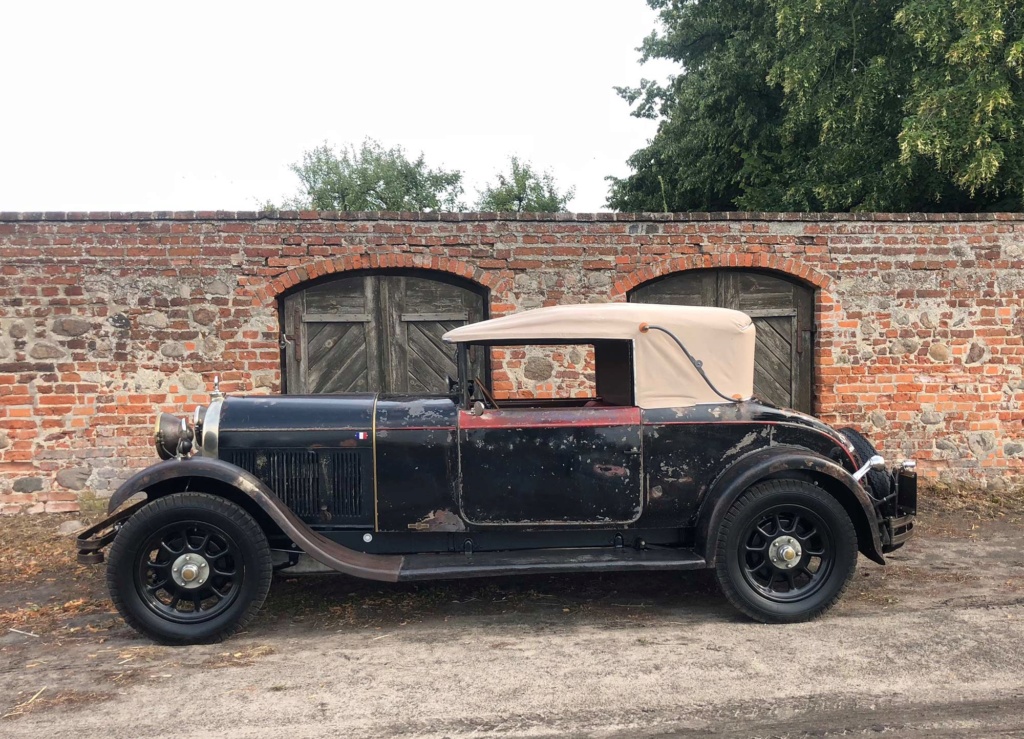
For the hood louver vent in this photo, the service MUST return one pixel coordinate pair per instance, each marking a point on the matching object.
(318, 486)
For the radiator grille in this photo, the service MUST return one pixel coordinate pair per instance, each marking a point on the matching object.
(322, 486)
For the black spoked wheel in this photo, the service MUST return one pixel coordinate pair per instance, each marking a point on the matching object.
(188, 572)
(189, 568)
(786, 551)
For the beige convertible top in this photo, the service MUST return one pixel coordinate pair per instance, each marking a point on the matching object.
(664, 378)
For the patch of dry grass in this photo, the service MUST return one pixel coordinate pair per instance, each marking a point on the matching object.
(244, 658)
(42, 586)
(40, 619)
(64, 700)
(31, 548)
(971, 501)
(145, 653)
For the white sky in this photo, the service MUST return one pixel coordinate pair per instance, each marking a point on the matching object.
(202, 105)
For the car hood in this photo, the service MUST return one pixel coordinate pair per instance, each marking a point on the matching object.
(297, 412)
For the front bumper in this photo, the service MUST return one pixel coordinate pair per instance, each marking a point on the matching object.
(901, 511)
(91, 541)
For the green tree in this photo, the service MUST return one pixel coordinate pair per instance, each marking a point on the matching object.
(718, 120)
(370, 177)
(966, 108)
(522, 189)
(831, 105)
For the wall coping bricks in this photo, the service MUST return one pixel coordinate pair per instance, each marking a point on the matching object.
(333, 215)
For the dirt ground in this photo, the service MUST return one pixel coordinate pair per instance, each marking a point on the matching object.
(930, 645)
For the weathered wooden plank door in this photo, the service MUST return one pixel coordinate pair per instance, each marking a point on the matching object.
(375, 332)
(783, 313)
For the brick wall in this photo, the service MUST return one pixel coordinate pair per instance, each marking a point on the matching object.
(105, 317)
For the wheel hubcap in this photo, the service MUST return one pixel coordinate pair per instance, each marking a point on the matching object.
(785, 552)
(190, 570)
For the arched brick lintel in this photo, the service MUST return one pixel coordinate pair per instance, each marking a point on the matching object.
(314, 270)
(709, 261)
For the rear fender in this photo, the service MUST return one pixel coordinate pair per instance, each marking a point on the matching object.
(218, 478)
(779, 462)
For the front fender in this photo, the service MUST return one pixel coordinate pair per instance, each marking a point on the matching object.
(192, 471)
(773, 462)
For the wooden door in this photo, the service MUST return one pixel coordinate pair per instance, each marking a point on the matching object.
(375, 332)
(783, 313)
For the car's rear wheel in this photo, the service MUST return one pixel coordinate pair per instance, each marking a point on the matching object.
(189, 568)
(786, 551)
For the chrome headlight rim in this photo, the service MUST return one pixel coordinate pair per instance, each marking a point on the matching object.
(208, 441)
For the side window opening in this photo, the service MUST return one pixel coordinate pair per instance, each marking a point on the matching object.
(613, 362)
(595, 374)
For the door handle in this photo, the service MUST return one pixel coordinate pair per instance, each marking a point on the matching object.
(296, 349)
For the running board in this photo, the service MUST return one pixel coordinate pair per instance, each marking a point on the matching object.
(545, 561)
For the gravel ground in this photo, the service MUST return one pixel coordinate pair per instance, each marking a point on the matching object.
(927, 646)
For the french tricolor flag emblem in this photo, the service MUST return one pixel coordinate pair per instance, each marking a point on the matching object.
(362, 435)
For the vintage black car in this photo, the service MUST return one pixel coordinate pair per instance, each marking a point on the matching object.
(671, 465)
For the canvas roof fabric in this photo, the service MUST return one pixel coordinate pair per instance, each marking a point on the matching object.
(722, 339)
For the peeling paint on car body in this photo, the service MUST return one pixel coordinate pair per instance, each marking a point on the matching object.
(439, 521)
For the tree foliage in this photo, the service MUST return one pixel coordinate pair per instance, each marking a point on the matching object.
(370, 177)
(831, 105)
(523, 189)
(966, 109)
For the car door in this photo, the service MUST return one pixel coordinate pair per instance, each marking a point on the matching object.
(551, 466)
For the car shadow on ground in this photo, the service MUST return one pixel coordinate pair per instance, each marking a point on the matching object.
(330, 601)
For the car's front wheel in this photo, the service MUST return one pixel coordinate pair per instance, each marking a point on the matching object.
(786, 551)
(189, 568)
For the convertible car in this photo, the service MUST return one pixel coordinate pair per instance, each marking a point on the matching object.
(670, 465)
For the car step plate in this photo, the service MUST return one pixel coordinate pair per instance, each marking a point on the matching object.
(480, 564)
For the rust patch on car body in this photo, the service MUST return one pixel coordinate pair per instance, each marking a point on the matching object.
(439, 521)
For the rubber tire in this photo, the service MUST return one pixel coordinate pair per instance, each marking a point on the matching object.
(752, 503)
(256, 566)
(878, 480)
